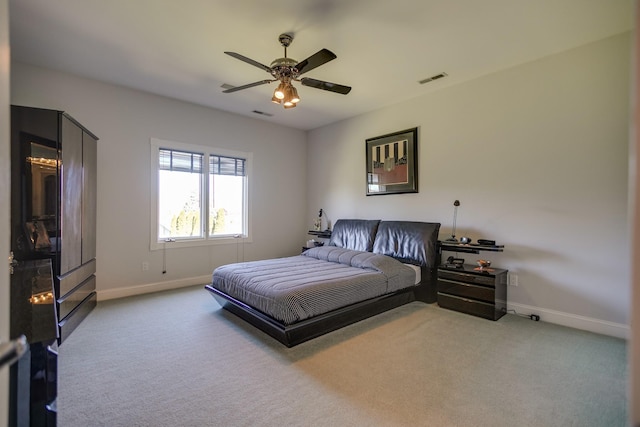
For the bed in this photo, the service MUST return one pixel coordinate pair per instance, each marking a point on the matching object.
(368, 267)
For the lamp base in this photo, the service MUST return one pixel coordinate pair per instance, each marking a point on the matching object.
(451, 239)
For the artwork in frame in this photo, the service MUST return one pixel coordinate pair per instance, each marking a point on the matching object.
(392, 163)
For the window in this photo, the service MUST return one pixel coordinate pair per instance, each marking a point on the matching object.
(199, 194)
(179, 194)
(226, 195)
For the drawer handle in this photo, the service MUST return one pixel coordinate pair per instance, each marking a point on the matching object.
(52, 350)
(466, 299)
(455, 282)
(474, 284)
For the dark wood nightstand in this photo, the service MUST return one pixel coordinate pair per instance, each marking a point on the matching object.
(480, 293)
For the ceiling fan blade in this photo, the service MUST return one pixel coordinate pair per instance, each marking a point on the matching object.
(317, 59)
(331, 87)
(249, 61)
(237, 88)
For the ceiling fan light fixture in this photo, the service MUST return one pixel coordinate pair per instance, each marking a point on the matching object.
(288, 93)
(275, 100)
(289, 105)
(280, 91)
(294, 95)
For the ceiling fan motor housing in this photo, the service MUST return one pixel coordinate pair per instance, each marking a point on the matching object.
(284, 68)
(285, 39)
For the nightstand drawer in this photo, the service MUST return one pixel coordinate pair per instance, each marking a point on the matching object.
(466, 290)
(476, 308)
(480, 279)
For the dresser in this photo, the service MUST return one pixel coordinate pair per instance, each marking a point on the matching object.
(53, 205)
(53, 244)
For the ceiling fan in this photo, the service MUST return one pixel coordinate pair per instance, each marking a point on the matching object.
(287, 70)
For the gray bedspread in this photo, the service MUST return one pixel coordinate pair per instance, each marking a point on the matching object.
(320, 280)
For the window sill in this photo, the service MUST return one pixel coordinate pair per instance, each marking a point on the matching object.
(192, 243)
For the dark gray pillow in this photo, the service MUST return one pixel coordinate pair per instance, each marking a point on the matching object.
(354, 234)
(408, 241)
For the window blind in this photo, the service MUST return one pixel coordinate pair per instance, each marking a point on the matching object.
(222, 165)
(183, 161)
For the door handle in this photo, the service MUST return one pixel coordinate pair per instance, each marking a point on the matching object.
(13, 350)
(13, 262)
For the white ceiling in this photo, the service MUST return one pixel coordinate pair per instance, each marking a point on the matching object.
(384, 47)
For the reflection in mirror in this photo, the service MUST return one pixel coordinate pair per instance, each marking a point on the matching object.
(43, 162)
(41, 194)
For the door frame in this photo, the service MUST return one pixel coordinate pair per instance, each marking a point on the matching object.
(5, 198)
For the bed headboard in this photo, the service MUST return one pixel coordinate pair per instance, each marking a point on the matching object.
(408, 241)
(355, 234)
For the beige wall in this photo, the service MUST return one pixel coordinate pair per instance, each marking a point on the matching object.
(5, 200)
(125, 120)
(538, 157)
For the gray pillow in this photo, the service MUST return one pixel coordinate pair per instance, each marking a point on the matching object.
(354, 234)
(409, 241)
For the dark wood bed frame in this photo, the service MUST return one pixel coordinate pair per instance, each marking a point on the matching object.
(297, 333)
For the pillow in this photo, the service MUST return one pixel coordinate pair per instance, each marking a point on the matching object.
(354, 234)
(411, 242)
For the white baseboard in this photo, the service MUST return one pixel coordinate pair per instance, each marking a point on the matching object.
(108, 294)
(597, 326)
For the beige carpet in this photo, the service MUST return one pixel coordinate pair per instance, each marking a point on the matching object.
(176, 359)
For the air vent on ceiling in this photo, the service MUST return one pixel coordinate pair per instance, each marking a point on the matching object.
(262, 113)
(432, 78)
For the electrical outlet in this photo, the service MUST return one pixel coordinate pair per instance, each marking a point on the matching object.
(145, 266)
(513, 279)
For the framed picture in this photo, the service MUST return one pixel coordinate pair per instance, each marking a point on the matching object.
(392, 163)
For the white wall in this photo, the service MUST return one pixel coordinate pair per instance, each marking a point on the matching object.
(5, 201)
(537, 155)
(634, 230)
(125, 120)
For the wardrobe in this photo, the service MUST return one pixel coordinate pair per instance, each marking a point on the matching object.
(53, 245)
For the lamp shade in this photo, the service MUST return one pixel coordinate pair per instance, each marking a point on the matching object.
(294, 95)
(280, 91)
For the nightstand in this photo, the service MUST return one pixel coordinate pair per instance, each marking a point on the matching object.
(468, 290)
(323, 234)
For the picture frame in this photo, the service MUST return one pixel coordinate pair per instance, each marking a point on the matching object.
(392, 163)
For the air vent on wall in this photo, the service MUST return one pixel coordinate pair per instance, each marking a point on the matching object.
(432, 78)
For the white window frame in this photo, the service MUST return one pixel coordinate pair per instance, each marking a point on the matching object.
(155, 244)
